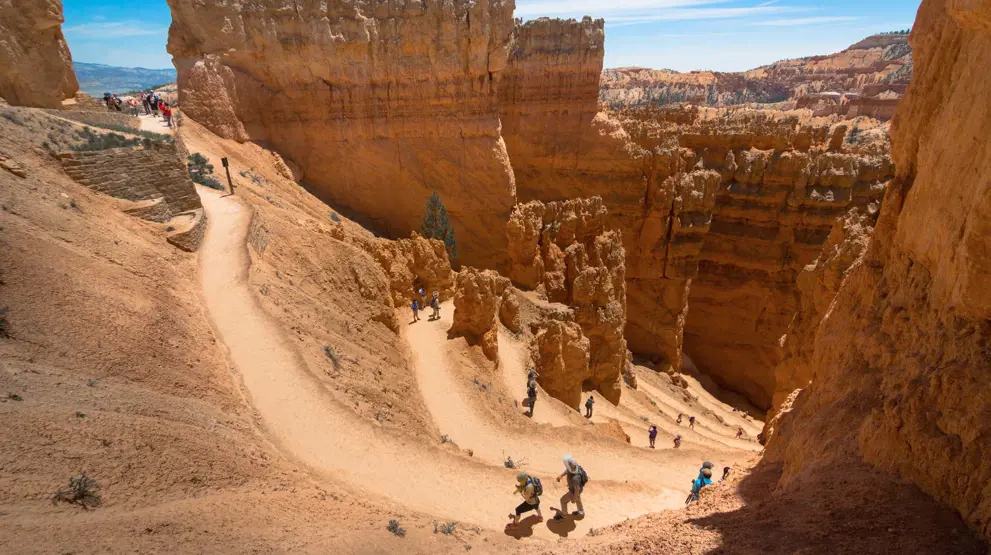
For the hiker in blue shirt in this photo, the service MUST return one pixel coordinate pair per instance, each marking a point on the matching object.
(704, 479)
(416, 311)
(652, 435)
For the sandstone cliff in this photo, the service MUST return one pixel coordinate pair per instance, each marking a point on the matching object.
(901, 360)
(477, 298)
(867, 78)
(35, 64)
(375, 105)
(563, 250)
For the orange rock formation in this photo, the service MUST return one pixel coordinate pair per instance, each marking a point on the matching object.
(35, 64)
(900, 361)
(375, 106)
(477, 298)
(563, 250)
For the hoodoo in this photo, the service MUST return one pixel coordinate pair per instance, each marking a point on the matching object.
(35, 64)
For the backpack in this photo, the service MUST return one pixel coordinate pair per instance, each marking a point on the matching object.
(531, 392)
(589, 402)
(583, 475)
(538, 488)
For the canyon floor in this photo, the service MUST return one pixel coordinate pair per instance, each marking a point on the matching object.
(196, 389)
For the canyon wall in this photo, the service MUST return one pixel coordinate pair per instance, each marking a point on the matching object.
(901, 360)
(35, 64)
(781, 186)
(374, 105)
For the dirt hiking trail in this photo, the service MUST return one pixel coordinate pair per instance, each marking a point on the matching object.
(310, 425)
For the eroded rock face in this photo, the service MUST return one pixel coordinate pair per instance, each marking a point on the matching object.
(413, 263)
(377, 104)
(901, 359)
(561, 353)
(35, 64)
(818, 284)
(477, 297)
(563, 250)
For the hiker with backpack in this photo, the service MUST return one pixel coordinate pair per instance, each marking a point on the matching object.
(680, 416)
(531, 489)
(531, 394)
(435, 304)
(704, 479)
(725, 474)
(739, 432)
(652, 435)
(577, 478)
(677, 442)
(416, 311)
(588, 406)
(691, 422)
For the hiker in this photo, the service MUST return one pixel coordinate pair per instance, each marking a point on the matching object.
(704, 479)
(145, 104)
(691, 422)
(531, 490)
(416, 311)
(706, 466)
(677, 442)
(531, 394)
(679, 419)
(167, 112)
(577, 478)
(725, 474)
(532, 374)
(435, 304)
(739, 432)
(652, 435)
(588, 406)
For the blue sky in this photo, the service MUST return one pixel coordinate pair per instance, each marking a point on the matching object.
(724, 35)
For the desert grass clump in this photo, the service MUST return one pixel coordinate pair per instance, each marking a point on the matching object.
(328, 351)
(81, 491)
(395, 528)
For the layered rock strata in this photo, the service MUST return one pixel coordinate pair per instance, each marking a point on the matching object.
(563, 250)
(900, 361)
(376, 105)
(868, 78)
(35, 64)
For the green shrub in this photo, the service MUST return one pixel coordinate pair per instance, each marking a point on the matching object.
(81, 491)
(201, 171)
(437, 225)
(395, 528)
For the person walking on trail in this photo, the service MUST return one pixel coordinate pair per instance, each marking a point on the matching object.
(416, 311)
(435, 304)
(739, 432)
(652, 435)
(680, 416)
(531, 394)
(706, 466)
(577, 478)
(691, 422)
(145, 104)
(167, 112)
(704, 479)
(725, 474)
(677, 442)
(588, 406)
(532, 374)
(531, 490)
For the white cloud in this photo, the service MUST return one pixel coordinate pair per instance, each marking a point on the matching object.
(112, 30)
(685, 14)
(529, 10)
(805, 21)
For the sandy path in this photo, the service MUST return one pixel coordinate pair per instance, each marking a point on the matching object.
(155, 124)
(512, 366)
(309, 425)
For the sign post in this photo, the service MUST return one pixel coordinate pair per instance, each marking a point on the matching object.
(227, 168)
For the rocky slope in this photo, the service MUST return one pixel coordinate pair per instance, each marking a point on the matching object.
(866, 79)
(35, 64)
(901, 359)
(375, 105)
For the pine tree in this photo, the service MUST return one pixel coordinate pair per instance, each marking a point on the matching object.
(437, 225)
